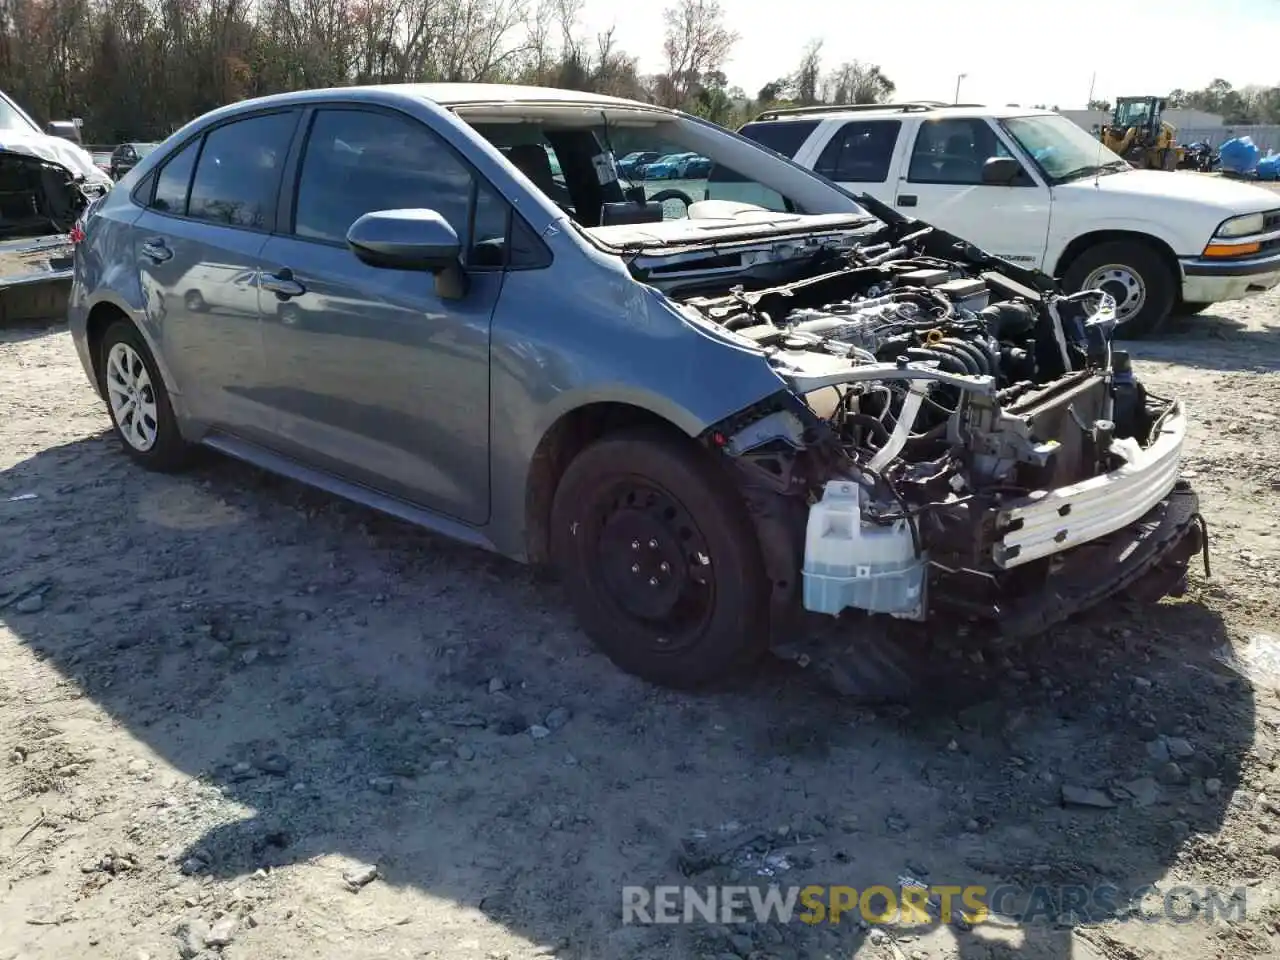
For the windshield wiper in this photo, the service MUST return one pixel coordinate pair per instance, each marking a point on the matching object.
(1111, 166)
(1078, 172)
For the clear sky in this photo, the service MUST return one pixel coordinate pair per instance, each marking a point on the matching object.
(1026, 52)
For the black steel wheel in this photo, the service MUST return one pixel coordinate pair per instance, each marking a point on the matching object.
(660, 559)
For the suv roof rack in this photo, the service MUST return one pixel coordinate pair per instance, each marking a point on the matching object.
(914, 106)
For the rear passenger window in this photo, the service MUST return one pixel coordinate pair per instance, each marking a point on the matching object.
(239, 171)
(358, 161)
(175, 179)
(860, 152)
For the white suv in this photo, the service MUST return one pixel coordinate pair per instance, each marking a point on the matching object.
(1034, 188)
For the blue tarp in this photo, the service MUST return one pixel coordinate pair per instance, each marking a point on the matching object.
(1239, 155)
(1269, 167)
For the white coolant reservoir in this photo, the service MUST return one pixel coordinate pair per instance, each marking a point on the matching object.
(866, 566)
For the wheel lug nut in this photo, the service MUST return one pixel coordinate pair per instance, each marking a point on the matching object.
(653, 581)
(635, 544)
(664, 567)
(635, 568)
(653, 544)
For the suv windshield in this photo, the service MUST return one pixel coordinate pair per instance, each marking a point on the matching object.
(1062, 150)
(14, 120)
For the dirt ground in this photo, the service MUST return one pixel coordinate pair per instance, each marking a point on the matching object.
(223, 696)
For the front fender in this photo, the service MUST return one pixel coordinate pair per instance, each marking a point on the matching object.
(585, 332)
(1064, 234)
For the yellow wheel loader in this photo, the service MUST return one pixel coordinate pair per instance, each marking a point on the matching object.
(1138, 134)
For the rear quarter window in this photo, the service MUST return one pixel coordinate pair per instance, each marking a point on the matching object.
(783, 136)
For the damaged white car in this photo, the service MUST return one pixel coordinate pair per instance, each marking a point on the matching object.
(46, 183)
(443, 302)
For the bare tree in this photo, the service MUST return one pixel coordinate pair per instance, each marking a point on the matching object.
(697, 41)
(855, 82)
(805, 81)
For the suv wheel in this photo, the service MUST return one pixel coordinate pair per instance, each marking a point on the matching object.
(660, 560)
(138, 401)
(1142, 284)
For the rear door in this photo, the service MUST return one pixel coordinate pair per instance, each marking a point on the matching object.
(209, 211)
(941, 183)
(860, 157)
(375, 377)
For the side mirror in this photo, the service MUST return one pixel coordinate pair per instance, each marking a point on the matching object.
(65, 129)
(1000, 171)
(411, 240)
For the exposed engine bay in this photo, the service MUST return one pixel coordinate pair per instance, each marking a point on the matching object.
(959, 433)
(40, 202)
(39, 197)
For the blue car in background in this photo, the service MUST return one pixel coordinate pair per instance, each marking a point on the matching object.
(669, 167)
(630, 166)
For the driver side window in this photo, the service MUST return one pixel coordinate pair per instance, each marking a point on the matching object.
(358, 161)
(954, 151)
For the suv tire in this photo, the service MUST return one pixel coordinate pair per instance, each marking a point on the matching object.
(1134, 274)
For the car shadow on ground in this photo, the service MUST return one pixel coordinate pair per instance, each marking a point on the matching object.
(1210, 342)
(364, 689)
(27, 330)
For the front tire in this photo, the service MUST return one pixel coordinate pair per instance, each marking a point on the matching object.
(660, 559)
(1141, 282)
(138, 401)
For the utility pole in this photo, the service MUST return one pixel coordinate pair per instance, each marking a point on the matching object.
(958, 79)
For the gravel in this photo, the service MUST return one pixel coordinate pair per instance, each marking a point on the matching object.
(361, 724)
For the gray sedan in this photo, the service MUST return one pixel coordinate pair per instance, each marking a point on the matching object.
(445, 302)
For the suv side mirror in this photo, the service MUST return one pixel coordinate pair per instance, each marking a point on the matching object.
(64, 129)
(1000, 171)
(411, 240)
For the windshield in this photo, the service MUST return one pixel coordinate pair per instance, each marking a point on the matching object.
(1062, 149)
(593, 172)
(14, 120)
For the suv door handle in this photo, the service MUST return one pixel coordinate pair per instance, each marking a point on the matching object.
(282, 284)
(906, 199)
(156, 251)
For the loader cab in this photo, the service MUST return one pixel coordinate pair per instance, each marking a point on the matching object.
(1140, 112)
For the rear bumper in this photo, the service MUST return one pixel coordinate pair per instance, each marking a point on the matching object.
(1206, 280)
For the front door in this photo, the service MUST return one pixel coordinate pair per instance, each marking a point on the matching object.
(376, 377)
(942, 184)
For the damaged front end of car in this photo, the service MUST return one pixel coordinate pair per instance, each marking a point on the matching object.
(957, 435)
(41, 203)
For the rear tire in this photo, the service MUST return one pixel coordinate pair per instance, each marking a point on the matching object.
(660, 559)
(1135, 275)
(138, 402)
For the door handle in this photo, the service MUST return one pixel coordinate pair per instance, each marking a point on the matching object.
(156, 251)
(906, 199)
(282, 284)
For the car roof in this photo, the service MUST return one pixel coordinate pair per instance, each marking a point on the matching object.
(457, 94)
(927, 109)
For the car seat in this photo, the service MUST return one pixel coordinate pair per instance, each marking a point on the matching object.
(532, 160)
